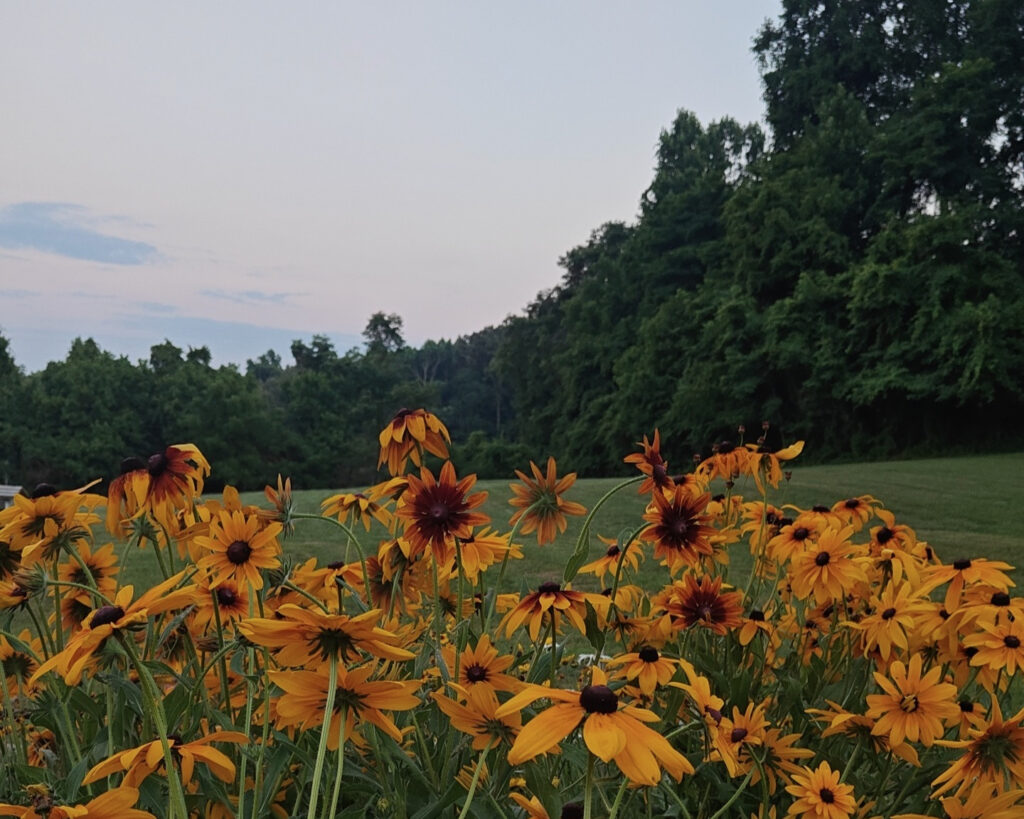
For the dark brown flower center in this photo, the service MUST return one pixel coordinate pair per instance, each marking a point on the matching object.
(960, 565)
(238, 552)
(966, 706)
(678, 527)
(738, 735)
(648, 654)
(613, 551)
(1000, 599)
(157, 464)
(801, 533)
(725, 447)
(226, 597)
(660, 474)
(819, 509)
(572, 810)
(852, 503)
(889, 613)
(106, 614)
(439, 512)
(44, 490)
(822, 559)
(1011, 642)
(757, 615)
(599, 699)
(549, 588)
(476, 673)
(827, 796)
(884, 535)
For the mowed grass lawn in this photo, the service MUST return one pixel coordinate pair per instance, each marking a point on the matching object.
(963, 507)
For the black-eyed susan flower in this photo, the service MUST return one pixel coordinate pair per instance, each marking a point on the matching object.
(856, 511)
(646, 666)
(171, 480)
(828, 569)
(780, 752)
(652, 465)
(117, 803)
(550, 601)
(39, 526)
(357, 696)
(614, 555)
(482, 665)
(679, 529)
(703, 603)
(477, 717)
(238, 547)
(982, 802)
(407, 435)
(436, 511)
(993, 755)
(733, 738)
(484, 548)
(355, 506)
(1000, 645)
(913, 705)
(765, 464)
(964, 572)
(138, 763)
(728, 461)
(230, 597)
(540, 503)
(19, 662)
(706, 704)
(100, 566)
(304, 637)
(757, 622)
(611, 731)
(820, 794)
(893, 617)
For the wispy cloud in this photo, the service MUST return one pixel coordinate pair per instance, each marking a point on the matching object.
(68, 230)
(249, 296)
(17, 294)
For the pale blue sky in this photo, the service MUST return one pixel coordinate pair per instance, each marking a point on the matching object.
(240, 174)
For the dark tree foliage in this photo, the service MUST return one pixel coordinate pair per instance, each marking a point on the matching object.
(855, 276)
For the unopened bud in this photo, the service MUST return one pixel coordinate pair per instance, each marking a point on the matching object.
(765, 425)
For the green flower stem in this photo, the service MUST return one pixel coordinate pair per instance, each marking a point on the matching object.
(340, 768)
(679, 802)
(95, 588)
(72, 585)
(321, 751)
(588, 788)
(154, 705)
(44, 635)
(585, 530)
(461, 633)
(221, 652)
(614, 812)
(311, 598)
(476, 778)
(17, 737)
(554, 645)
(57, 619)
(501, 570)
(722, 811)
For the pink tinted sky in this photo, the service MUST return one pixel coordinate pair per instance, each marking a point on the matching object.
(241, 174)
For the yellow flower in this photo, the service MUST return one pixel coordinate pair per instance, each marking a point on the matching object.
(913, 706)
(610, 732)
(540, 502)
(820, 794)
(239, 546)
(138, 763)
(407, 435)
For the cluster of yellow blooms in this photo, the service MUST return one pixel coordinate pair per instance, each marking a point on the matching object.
(855, 674)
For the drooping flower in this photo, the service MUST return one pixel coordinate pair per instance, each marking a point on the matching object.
(304, 637)
(172, 480)
(651, 464)
(407, 435)
(117, 803)
(993, 755)
(478, 718)
(552, 600)
(728, 461)
(357, 506)
(966, 571)
(913, 706)
(765, 464)
(628, 555)
(540, 503)
(138, 763)
(359, 697)
(611, 731)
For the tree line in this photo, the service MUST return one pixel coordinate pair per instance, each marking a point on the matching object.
(852, 272)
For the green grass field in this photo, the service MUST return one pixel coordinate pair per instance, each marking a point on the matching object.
(963, 507)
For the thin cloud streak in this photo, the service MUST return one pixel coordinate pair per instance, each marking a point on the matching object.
(62, 228)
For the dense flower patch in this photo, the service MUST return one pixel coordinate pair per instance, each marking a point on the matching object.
(847, 672)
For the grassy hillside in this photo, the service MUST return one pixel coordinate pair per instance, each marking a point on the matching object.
(963, 507)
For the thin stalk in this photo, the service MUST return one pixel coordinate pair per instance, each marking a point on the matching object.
(154, 705)
(732, 799)
(321, 751)
(340, 769)
(355, 541)
(585, 529)
(476, 778)
(588, 788)
(618, 798)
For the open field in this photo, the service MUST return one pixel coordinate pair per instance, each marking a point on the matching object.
(963, 507)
